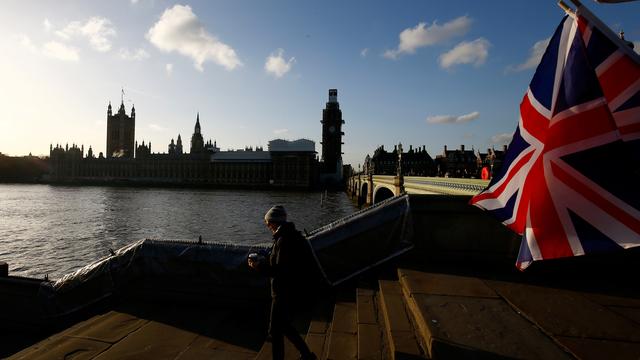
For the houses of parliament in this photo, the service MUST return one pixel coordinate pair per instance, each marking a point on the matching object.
(284, 164)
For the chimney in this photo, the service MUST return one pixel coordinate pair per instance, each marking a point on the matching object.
(462, 147)
(445, 148)
(504, 148)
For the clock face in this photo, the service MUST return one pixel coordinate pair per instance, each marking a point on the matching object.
(332, 129)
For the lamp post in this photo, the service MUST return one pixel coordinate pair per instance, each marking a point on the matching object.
(399, 180)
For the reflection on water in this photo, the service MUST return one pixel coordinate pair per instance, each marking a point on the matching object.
(54, 229)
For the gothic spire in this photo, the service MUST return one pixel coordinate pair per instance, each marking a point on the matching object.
(197, 129)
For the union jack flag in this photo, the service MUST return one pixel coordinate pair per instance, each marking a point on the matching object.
(570, 182)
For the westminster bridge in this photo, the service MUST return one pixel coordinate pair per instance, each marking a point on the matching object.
(369, 189)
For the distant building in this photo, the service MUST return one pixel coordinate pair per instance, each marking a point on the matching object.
(462, 163)
(458, 163)
(286, 164)
(415, 162)
(331, 160)
(121, 132)
(492, 160)
(197, 141)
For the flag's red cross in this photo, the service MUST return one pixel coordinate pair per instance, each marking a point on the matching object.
(539, 193)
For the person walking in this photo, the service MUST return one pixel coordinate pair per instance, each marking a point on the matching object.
(288, 268)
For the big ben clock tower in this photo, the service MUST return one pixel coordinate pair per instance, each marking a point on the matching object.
(332, 137)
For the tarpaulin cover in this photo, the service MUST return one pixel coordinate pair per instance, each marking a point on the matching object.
(351, 245)
(211, 264)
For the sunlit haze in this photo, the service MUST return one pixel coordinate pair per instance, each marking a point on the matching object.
(428, 73)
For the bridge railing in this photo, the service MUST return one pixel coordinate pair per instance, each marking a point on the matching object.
(449, 186)
(432, 185)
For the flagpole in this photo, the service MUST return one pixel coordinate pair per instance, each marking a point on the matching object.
(566, 8)
(584, 11)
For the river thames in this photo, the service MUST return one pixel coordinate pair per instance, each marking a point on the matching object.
(57, 229)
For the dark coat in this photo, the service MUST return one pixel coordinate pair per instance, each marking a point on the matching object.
(291, 265)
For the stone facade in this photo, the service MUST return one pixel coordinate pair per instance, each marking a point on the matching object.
(121, 133)
(461, 163)
(332, 138)
(415, 162)
(289, 164)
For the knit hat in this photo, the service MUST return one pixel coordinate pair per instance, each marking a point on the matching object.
(276, 214)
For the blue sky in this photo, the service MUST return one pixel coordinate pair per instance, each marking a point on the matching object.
(427, 73)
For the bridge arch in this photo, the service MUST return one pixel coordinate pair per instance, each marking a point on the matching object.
(362, 196)
(382, 193)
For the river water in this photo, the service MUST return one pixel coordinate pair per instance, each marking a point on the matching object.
(56, 229)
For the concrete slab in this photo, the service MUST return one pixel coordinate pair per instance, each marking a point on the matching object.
(290, 352)
(392, 303)
(460, 326)
(567, 313)
(110, 327)
(152, 341)
(317, 343)
(632, 314)
(342, 346)
(397, 326)
(321, 316)
(344, 318)
(404, 346)
(369, 342)
(366, 306)
(204, 353)
(343, 342)
(63, 347)
(601, 349)
(443, 284)
(319, 326)
(206, 343)
(608, 300)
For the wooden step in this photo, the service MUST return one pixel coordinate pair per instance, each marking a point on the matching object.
(343, 341)
(462, 317)
(370, 346)
(397, 325)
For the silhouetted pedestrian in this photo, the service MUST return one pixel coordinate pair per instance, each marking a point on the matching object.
(287, 266)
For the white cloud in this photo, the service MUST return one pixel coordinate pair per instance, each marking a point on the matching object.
(421, 36)
(280, 131)
(364, 52)
(26, 42)
(46, 25)
(452, 119)
(474, 52)
(169, 69)
(535, 55)
(60, 51)
(636, 46)
(97, 30)
(501, 139)
(277, 65)
(180, 30)
(134, 2)
(157, 128)
(138, 54)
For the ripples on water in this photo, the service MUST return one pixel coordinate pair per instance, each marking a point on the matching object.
(55, 229)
